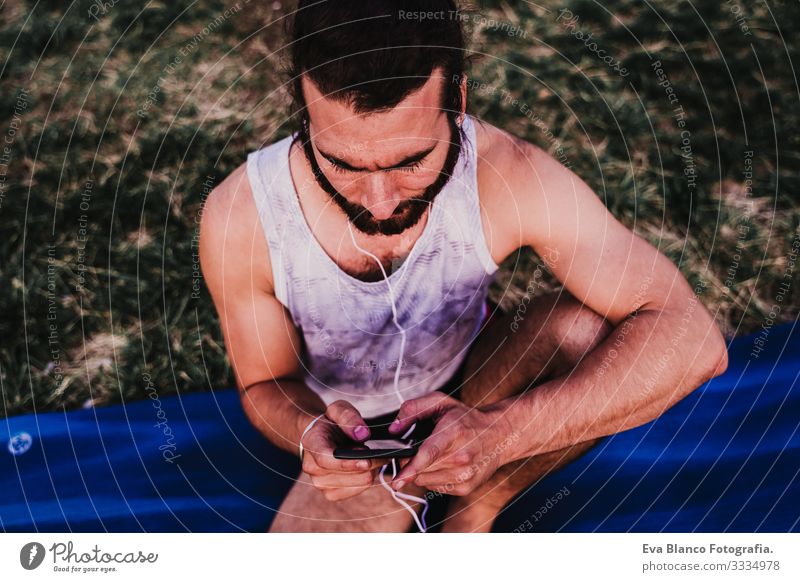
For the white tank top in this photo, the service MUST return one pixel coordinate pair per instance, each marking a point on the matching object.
(350, 343)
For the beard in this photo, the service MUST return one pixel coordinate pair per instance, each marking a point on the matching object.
(408, 212)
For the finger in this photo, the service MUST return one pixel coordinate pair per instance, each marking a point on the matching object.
(312, 467)
(348, 419)
(443, 480)
(418, 408)
(320, 447)
(374, 463)
(403, 462)
(429, 452)
(378, 463)
(338, 493)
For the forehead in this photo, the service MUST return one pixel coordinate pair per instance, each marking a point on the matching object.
(416, 119)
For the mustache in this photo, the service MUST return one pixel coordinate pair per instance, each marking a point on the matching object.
(405, 216)
(409, 212)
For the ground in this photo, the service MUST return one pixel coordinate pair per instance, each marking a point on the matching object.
(117, 124)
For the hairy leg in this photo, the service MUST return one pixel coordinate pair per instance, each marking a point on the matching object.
(556, 332)
(305, 509)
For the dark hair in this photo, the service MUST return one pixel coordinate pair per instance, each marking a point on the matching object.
(371, 54)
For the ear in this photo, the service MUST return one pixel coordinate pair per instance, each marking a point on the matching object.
(463, 89)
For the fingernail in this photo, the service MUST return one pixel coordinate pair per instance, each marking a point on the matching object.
(361, 432)
(395, 425)
(363, 464)
(398, 485)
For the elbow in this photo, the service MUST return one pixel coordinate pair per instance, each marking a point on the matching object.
(718, 352)
(722, 364)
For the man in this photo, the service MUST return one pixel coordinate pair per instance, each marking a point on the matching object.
(388, 168)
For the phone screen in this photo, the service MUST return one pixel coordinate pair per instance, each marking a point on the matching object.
(377, 444)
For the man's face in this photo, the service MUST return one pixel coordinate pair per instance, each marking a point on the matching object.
(382, 169)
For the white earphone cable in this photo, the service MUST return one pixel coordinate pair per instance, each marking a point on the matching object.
(398, 497)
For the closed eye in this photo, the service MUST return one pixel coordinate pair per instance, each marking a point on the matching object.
(410, 167)
(339, 168)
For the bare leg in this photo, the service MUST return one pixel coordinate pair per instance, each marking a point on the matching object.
(555, 334)
(305, 509)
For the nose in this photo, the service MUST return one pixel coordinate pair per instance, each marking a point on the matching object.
(378, 197)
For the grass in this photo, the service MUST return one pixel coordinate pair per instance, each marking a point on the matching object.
(100, 204)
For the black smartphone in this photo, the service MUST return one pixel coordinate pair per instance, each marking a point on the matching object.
(378, 449)
(384, 445)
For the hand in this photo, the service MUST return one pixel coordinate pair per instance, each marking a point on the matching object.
(338, 479)
(463, 451)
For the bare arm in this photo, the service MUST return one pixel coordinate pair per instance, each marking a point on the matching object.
(260, 338)
(665, 343)
(664, 346)
(264, 345)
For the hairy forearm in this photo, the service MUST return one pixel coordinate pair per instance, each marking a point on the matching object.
(281, 409)
(647, 364)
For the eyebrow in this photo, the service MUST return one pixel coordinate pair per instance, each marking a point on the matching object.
(407, 161)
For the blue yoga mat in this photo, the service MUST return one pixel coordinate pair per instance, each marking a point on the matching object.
(726, 458)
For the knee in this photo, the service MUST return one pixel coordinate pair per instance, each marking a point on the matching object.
(578, 331)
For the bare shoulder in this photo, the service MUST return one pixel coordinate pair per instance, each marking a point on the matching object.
(232, 244)
(512, 161)
(514, 178)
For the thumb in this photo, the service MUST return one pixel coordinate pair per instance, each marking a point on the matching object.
(427, 454)
(348, 419)
(415, 409)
